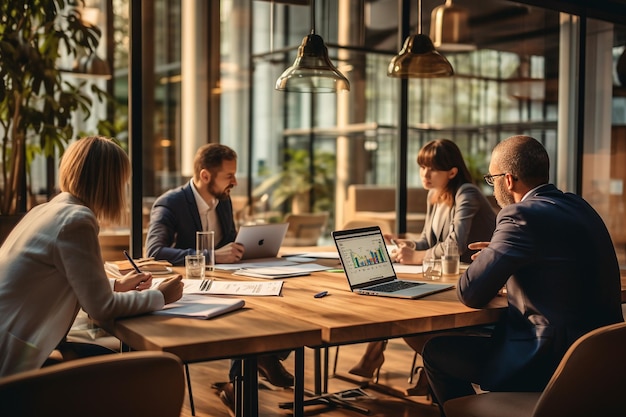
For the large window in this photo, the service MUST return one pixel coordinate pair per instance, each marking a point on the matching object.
(522, 78)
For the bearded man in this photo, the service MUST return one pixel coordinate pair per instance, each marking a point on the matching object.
(203, 204)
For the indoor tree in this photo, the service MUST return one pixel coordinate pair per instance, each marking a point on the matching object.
(37, 105)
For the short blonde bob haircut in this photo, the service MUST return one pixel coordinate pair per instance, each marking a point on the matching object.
(96, 171)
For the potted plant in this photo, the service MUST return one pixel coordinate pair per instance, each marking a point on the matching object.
(37, 105)
(293, 184)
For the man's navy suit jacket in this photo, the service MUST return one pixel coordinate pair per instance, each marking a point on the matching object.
(556, 257)
(174, 221)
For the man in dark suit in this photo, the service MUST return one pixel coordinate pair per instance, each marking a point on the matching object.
(204, 204)
(555, 256)
(201, 204)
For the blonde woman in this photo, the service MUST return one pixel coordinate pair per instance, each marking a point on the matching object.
(51, 266)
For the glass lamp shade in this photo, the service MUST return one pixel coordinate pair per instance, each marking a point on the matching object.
(621, 68)
(419, 59)
(312, 71)
(449, 29)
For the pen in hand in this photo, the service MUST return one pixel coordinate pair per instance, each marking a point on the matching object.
(135, 267)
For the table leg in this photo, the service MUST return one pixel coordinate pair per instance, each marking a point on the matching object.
(317, 365)
(237, 393)
(250, 395)
(298, 389)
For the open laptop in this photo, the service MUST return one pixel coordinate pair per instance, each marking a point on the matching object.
(369, 269)
(261, 240)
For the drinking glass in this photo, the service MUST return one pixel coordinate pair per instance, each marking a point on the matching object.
(432, 268)
(205, 244)
(194, 266)
(450, 264)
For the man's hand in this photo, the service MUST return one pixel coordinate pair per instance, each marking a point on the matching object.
(133, 281)
(477, 246)
(229, 253)
(172, 289)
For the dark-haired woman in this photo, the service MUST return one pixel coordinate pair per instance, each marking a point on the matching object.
(456, 209)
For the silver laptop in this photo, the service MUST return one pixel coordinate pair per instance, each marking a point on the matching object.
(369, 269)
(261, 240)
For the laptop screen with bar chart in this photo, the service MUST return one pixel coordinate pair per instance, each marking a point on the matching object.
(369, 269)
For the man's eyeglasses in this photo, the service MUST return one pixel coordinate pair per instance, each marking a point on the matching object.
(489, 178)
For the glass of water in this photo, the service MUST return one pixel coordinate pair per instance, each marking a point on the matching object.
(194, 266)
(205, 245)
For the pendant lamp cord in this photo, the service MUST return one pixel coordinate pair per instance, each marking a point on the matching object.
(271, 26)
(419, 16)
(312, 17)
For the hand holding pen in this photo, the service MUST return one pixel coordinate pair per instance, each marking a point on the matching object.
(136, 280)
(404, 248)
(401, 243)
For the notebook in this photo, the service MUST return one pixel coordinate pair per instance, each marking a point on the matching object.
(200, 306)
(261, 240)
(369, 269)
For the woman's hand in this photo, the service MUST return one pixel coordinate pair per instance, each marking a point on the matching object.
(172, 289)
(133, 281)
(407, 255)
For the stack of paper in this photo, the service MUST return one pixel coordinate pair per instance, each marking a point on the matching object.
(281, 271)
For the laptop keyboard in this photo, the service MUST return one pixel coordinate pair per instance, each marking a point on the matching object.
(394, 286)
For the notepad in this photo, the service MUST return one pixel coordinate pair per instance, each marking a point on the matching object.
(200, 306)
(145, 264)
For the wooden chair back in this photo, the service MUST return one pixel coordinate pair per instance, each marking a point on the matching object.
(357, 224)
(587, 382)
(305, 229)
(129, 384)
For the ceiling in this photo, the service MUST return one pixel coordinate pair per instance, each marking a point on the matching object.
(494, 24)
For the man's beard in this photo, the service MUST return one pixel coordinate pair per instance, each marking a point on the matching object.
(219, 194)
(503, 197)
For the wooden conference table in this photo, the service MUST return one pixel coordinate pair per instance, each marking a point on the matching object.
(296, 319)
(241, 334)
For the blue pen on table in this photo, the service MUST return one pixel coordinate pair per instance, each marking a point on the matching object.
(132, 262)
(321, 294)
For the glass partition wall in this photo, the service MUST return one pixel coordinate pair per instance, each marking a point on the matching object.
(209, 70)
(507, 85)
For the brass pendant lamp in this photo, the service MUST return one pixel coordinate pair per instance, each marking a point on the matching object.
(418, 57)
(449, 28)
(312, 70)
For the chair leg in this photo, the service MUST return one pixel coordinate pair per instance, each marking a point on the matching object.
(412, 371)
(191, 405)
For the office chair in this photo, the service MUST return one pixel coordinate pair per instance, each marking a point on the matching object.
(129, 384)
(357, 224)
(305, 229)
(587, 382)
